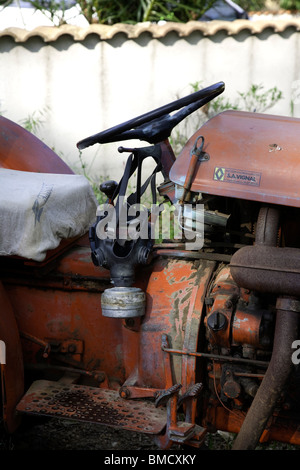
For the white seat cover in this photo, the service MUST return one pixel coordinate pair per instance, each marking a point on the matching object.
(38, 210)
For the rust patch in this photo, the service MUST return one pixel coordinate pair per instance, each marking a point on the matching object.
(92, 404)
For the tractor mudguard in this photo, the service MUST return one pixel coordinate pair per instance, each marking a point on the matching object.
(21, 150)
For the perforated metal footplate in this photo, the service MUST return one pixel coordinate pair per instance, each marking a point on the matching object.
(92, 405)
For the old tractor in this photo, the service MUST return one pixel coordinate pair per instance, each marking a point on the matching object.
(172, 337)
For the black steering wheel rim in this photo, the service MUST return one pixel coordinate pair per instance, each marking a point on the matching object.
(155, 125)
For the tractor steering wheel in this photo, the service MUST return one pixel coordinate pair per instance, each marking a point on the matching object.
(157, 125)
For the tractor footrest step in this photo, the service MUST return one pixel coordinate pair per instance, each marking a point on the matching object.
(91, 404)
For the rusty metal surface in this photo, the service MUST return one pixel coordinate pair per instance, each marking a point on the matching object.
(93, 405)
(273, 382)
(244, 160)
(65, 305)
(175, 299)
(280, 428)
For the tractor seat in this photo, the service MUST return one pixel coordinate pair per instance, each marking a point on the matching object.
(39, 210)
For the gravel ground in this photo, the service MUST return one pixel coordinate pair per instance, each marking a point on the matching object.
(61, 434)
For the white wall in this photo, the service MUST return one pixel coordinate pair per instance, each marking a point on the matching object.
(85, 86)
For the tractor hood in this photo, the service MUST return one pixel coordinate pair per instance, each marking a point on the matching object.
(250, 156)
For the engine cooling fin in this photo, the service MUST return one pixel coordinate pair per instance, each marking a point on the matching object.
(91, 404)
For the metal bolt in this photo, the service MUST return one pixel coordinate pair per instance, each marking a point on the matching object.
(124, 393)
(216, 321)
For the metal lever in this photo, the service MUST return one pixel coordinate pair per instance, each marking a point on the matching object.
(163, 397)
(108, 188)
(190, 399)
(193, 392)
(177, 431)
(126, 149)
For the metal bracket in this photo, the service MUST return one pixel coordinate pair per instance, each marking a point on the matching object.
(198, 151)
